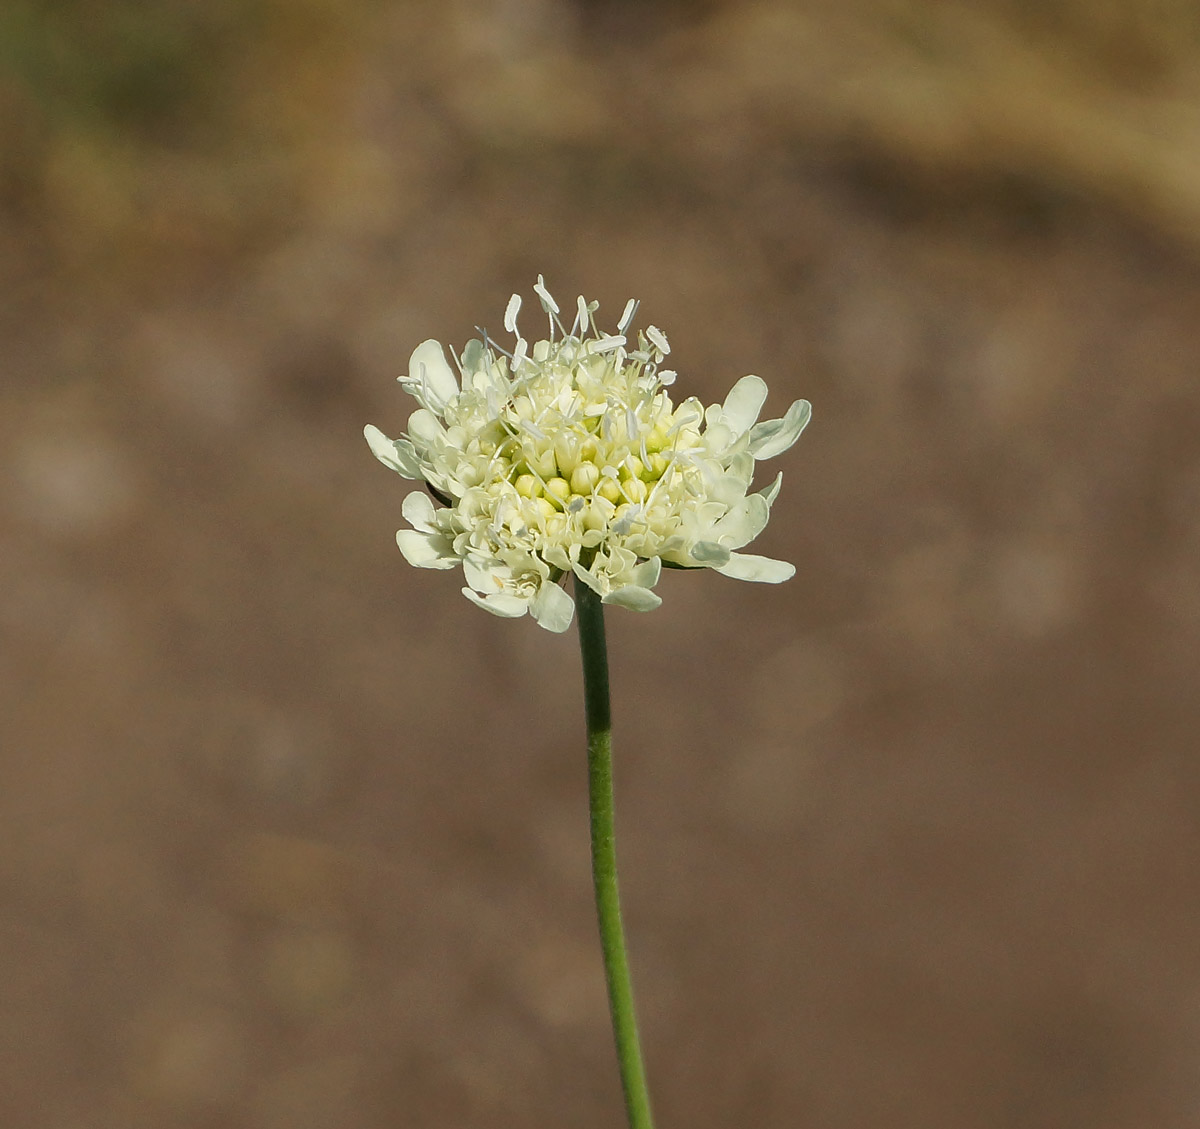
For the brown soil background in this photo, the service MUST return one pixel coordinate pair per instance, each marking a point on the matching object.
(293, 837)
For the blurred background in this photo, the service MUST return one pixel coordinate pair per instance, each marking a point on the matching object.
(293, 837)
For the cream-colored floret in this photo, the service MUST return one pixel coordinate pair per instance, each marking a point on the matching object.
(570, 456)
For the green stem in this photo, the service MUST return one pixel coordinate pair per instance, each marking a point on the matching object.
(604, 856)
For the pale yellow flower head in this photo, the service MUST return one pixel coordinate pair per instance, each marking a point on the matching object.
(568, 456)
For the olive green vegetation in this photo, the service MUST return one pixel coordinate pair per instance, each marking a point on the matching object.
(131, 129)
(1075, 98)
(119, 65)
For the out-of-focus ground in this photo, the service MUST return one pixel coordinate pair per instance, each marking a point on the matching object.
(292, 836)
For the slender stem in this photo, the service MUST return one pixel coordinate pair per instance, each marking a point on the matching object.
(604, 856)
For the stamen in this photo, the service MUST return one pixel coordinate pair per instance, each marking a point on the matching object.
(631, 309)
(490, 345)
(548, 303)
(510, 313)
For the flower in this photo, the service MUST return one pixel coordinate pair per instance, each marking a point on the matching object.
(569, 456)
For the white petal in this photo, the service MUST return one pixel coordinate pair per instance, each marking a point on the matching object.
(729, 489)
(647, 573)
(501, 604)
(764, 570)
(474, 356)
(510, 313)
(709, 553)
(590, 579)
(775, 436)
(743, 523)
(418, 511)
(395, 454)
(426, 550)
(744, 402)
(485, 574)
(635, 598)
(552, 607)
(720, 435)
(770, 493)
(556, 555)
(429, 371)
(424, 426)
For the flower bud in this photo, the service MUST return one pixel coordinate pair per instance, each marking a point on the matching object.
(558, 490)
(584, 477)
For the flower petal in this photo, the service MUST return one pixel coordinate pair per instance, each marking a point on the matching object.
(557, 556)
(395, 454)
(426, 550)
(729, 489)
(635, 598)
(647, 573)
(774, 436)
(430, 377)
(552, 607)
(718, 435)
(501, 604)
(589, 578)
(485, 574)
(709, 554)
(744, 402)
(425, 427)
(770, 493)
(418, 511)
(764, 570)
(474, 356)
(743, 523)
